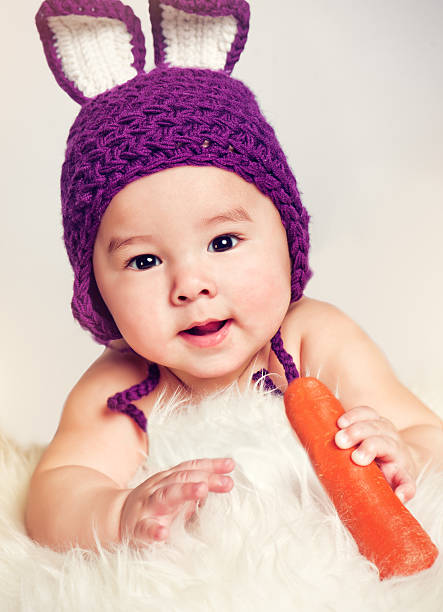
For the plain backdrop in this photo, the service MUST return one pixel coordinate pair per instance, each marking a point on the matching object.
(354, 91)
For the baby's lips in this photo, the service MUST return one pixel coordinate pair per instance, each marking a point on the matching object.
(207, 327)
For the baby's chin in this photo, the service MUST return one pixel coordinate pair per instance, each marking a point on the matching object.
(214, 377)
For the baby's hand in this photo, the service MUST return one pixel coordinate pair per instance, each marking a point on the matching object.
(378, 439)
(151, 507)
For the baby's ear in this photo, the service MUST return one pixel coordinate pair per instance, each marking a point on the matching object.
(199, 33)
(90, 45)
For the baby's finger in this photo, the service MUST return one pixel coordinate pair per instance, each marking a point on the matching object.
(400, 478)
(190, 509)
(149, 529)
(382, 447)
(358, 413)
(360, 430)
(406, 491)
(218, 483)
(168, 499)
(216, 466)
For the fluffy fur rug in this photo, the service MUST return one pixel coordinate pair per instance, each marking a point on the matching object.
(273, 543)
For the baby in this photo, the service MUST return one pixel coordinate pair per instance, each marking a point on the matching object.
(189, 245)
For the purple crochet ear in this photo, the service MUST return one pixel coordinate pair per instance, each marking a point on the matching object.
(90, 45)
(199, 33)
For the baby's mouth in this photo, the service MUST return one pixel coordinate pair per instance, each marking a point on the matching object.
(207, 328)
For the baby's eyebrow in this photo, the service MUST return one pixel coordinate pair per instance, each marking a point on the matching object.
(235, 215)
(116, 243)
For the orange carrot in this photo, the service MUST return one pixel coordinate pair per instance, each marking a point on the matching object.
(385, 531)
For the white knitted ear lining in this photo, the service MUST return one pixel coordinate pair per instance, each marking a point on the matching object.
(95, 51)
(197, 41)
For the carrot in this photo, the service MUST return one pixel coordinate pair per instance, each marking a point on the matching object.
(385, 531)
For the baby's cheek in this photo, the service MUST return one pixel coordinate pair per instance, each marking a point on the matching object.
(274, 276)
(265, 292)
(138, 317)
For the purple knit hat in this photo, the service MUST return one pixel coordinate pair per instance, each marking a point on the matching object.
(188, 110)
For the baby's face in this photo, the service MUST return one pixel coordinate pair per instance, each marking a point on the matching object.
(189, 245)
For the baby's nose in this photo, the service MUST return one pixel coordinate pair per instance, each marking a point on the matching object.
(190, 287)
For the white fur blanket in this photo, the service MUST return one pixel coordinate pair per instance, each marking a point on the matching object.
(273, 543)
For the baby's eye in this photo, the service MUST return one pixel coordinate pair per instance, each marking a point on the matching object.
(223, 243)
(143, 262)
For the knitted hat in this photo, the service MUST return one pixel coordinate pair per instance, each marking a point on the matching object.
(188, 110)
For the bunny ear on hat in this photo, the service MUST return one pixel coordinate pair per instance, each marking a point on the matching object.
(90, 45)
(199, 33)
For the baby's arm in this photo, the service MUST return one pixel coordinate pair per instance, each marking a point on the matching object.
(383, 417)
(81, 479)
(82, 474)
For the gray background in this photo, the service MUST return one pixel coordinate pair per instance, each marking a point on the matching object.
(354, 92)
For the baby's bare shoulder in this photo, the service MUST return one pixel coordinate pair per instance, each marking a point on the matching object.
(110, 373)
(91, 435)
(325, 334)
(335, 349)
(308, 316)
